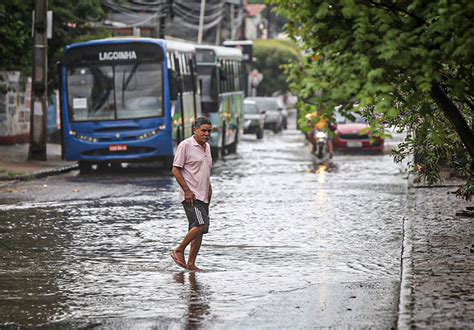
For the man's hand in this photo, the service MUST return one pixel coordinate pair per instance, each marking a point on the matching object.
(189, 197)
(188, 194)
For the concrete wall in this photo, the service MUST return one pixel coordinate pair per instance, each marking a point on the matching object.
(15, 105)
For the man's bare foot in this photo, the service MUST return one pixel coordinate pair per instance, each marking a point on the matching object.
(178, 258)
(193, 268)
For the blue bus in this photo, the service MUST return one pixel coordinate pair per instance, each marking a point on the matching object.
(126, 99)
(222, 84)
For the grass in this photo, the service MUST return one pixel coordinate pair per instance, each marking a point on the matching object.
(10, 173)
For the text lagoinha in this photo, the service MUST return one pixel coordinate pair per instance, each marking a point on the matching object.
(124, 55)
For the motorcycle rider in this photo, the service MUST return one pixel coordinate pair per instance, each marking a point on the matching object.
(320, 122)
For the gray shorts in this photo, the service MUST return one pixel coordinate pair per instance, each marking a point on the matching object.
(198, 214)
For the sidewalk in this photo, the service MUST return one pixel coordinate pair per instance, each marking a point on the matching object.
(14, 163)
(437, 282)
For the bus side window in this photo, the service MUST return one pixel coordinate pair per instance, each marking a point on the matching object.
(174, 84)
(195, 86)
(226, 77)
(169, 59)
(241, 76)
(177, 66)
(231, 75)
(188, 82)
(182, 69)
(236, 76)
(230, 79)
(222, 78)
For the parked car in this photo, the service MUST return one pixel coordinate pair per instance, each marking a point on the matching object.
(254, 119)
(355, 135)
(273, 116)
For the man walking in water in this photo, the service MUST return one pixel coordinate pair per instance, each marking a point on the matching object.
(192, 169)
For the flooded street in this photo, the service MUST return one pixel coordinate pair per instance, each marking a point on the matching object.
(291, 244)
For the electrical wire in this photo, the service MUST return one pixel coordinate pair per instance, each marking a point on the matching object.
(142, 12)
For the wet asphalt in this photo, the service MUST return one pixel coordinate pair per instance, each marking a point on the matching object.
(293, 243)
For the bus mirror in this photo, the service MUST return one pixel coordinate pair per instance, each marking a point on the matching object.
(173, 85)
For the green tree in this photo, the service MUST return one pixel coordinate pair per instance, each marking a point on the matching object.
(15, 34)
(72, 21)
(409, 63)
(270, 54)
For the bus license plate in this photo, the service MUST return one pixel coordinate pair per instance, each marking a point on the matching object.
(354, 144)
(118, 147)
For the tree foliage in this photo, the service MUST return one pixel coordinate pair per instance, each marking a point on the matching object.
(408, 63)
(270, 55)
(15, 34)
(72, 21)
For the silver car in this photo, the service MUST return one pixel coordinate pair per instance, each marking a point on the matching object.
(254, 119)
(273, 115)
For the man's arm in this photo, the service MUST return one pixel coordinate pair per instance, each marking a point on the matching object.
(188, 194)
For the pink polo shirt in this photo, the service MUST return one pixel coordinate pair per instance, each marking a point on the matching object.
(195, 164)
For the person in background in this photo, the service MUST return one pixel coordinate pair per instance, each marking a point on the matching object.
(318, 122)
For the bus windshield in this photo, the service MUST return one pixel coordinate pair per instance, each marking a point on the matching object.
(112, 92)
(207, 78)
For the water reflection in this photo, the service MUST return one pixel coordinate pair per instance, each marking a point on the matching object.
(197, 299)
(323, 166)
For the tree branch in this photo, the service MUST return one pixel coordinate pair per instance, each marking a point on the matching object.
(453, 114)
(394, 9)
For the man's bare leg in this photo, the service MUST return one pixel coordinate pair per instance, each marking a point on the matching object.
(193, 252)
(190, 236)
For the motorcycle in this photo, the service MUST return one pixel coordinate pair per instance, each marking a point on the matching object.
(320, 140)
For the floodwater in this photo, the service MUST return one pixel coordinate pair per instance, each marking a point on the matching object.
(291, 244)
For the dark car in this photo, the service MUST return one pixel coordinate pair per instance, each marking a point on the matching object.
(355, 135)
(254, 119)
(273, 115)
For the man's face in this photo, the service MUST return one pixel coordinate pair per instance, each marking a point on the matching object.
(202, 134)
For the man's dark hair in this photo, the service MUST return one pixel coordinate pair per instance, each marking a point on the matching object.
(201, 121)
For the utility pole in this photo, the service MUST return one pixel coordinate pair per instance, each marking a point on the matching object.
(39, 90)
(232, 22)
(161, 34)
(201, 21)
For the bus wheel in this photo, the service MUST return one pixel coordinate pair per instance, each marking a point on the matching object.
(85, 167)
(260, 134)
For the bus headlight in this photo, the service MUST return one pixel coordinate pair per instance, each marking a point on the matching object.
(148, 134)
(85, 138)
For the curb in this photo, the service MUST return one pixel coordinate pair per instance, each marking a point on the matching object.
(405, 302)
(40, 174)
